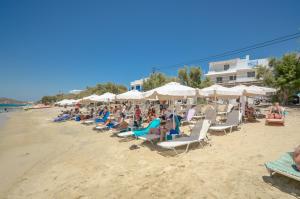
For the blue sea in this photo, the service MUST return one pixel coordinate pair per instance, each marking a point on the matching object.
(11, 107)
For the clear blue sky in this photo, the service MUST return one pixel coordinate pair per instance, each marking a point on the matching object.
(58, 45)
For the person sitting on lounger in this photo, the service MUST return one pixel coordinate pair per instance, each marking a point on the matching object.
(163, 114)
(137, 116)
(100, 112)
(275, 112)
(296, 157)
(151, 114)
(166, 126)
(249, 112)
(104, 116)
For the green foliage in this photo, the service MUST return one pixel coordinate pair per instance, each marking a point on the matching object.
(98, 89)
(287, 75)
(48, 99)
(266, 75)
(193, 77)
(183, 76)
(206, 82)
(284, 74)
(157, 79)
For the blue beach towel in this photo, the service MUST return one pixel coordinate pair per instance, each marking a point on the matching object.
(153, 124)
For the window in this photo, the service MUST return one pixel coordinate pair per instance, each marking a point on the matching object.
(132, 87)
(251, 74)
(138, 87)
(219, 79)
(232, 78)
(226, 66)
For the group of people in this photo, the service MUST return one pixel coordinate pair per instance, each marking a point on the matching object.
(118, 121)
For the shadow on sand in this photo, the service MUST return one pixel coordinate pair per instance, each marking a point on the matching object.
(284, 184)
(171, 153)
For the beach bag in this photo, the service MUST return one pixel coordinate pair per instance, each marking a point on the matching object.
(77, 118)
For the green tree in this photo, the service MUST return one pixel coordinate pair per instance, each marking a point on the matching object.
(157, 79)
(287, 75)
(266, 75)
(183, 76)
(192, 76)
(206, 82)
(98, 89)
(48, 99)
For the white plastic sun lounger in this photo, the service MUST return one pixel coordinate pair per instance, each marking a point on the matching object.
(126, 134)
(101, 128)
(231, 122)
(149, 137)
(198, 135)
(91, 121)
(228, 110)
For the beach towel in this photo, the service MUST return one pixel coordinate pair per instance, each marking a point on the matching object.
(62, 118)
(153, 124)
(104, 118)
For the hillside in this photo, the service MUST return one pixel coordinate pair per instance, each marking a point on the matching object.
(4, 100)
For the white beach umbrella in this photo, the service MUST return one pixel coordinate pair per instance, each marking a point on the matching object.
(172, 90)
(89, 99)
(67, 102)
(133, 95)
(220, 92)
(265, 89)
(107, 97)
(249, 91)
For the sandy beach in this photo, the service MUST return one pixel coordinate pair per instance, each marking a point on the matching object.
(41, 159)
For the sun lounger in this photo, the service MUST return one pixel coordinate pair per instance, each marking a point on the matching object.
(62, 118)
(153, 124)
(88, 122)
(229, 107)
(198, 134)
(211, 115)
(232, 121)
(189, 116)
(172, 133)
(103, 127)
(275, 121)
(284, 166)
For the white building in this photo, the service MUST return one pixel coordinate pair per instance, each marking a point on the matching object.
(235, 71)
(137, 84)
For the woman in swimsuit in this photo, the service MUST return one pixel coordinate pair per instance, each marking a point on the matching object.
(275, 111)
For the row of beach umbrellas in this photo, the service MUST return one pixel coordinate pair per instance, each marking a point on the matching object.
(175, 91)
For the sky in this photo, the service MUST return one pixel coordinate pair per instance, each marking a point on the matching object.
(55, 46)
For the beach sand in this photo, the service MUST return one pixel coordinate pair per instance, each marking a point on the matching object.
(41, 159)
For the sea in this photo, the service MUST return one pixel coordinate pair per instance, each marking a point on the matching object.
(11, 107)
(5, 109)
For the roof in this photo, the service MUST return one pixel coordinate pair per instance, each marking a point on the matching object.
(224, 61)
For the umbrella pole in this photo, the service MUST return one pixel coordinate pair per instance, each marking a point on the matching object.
(215, 100)
(174, 126)
(133, 113)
